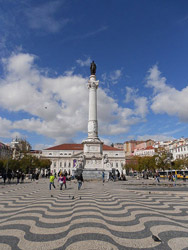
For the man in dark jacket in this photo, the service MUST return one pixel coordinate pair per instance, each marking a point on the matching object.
(80, 180)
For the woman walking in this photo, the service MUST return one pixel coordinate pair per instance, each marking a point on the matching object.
(62, 181)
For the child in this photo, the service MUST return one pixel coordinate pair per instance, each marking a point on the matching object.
(51, 181)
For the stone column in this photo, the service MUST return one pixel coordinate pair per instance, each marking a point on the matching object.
(92, 122)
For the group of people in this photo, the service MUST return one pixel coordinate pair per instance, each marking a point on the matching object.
(62, 179)
(20, 176)
(112, 176)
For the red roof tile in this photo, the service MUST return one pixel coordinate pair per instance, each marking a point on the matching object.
(79, 147)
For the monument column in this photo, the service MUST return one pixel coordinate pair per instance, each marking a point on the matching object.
(92, 122)
(92, 145)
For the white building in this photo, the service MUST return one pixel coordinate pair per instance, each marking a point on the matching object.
(149, 151)
(180, 151)
(67, 157)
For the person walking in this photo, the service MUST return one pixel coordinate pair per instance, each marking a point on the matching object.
(52, 177)
(37, 177)
(80, 180)
(4, 177)
(62, 181)
(103, 175)
(18, 177)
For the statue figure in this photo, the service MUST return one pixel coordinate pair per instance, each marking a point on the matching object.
(106, 159)
(93, 68)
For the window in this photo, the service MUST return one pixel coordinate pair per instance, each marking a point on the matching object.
(50, 153)
(60, 164)
(64, 164)
(54, 164)
(69, 165)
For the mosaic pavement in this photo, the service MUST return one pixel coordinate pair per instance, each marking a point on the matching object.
(99, 216)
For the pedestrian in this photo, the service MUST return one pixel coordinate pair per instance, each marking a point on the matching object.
(9, 175)
(60, 180)
(103, 175)
(80, 180)
(4, 178)
(184, 177)
(18, 177)
(64, 181)
(52, 177)
(33, 177)
(22, 177)
(37, 177)
(157, 178)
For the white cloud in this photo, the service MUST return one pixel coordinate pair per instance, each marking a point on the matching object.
(42, 146)
(141, 106)
(42, 17)
(6, 129)
(111, 77)
(57, 107)
(140, 102)
(83, 63)
(158, 137)
(167, 99)
(131, 94)
(115, 76)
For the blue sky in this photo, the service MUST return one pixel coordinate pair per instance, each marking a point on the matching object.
(140, 48)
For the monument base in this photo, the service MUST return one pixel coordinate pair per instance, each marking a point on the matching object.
(94, 174)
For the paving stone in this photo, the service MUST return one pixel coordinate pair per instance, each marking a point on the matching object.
(116, 215)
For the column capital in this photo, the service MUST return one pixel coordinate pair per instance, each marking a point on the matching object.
(93, 84)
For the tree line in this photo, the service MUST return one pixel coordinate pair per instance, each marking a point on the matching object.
(27, 164)
(157, 162)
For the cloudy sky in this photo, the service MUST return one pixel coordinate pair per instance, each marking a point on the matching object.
(141, 52)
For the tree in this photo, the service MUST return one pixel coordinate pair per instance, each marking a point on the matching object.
(12, 164)
(179, 164)
(146, 163)
(44, 163)
(2, 164)
(163, 160)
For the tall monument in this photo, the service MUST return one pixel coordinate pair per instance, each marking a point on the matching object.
(93, 145)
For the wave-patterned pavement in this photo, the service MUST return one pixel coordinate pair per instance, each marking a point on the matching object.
(96, 217)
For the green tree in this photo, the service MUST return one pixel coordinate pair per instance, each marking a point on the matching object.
(179, 164)
(163, 160)
(44, 163)
(2, 164)
(12, 164)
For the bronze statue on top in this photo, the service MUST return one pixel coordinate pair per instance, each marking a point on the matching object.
(93, 68)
